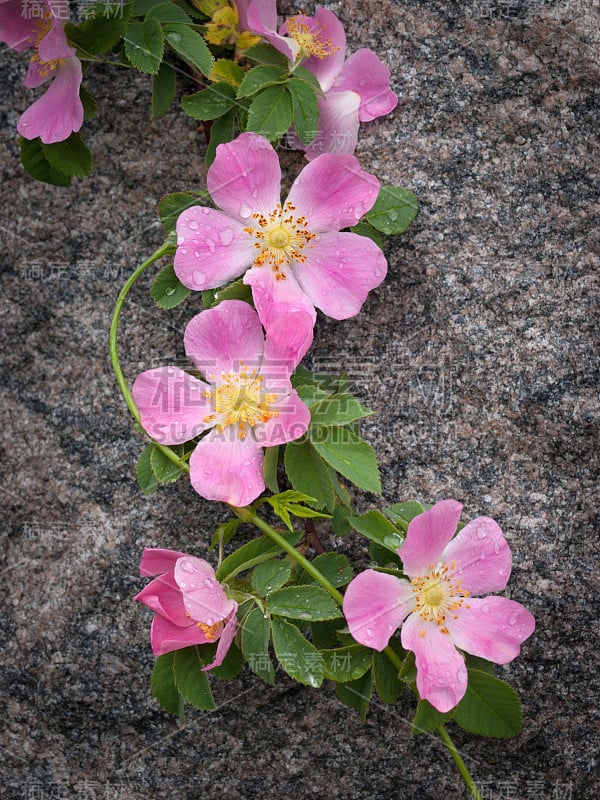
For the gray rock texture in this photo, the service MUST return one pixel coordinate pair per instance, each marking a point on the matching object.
(478, 353)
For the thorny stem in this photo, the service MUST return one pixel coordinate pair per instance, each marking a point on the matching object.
(247, 514)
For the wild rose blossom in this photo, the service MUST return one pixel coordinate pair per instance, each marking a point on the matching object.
(189, 604)
(246, 403)
(357, 89)
(299, 259)
(59, 112)
(436, 608)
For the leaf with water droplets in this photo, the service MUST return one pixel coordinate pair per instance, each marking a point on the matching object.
(389, 686)
(165, 470)
(304, 603)
(190, 680)
(270, 114)
(297, 656)
(210, 103)
(167, 290)
(251, 554)
(490, 707)
(394, 210)
(346, 663)
(163, 684)
(256, 631)
(143, 471)
(357, 694)
(270, 575)
(428, 718)
(190, 46)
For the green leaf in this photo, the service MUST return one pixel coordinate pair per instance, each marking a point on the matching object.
(303, 602)
(190, 680)
(90, 109)
(251, 554)
(308, 473)
(408, 673)
(428, 718)
(378, 529)
(190, 46)
(403, 513)
(338, 409)
(481, 664)
(71, 156)
(210, 103)
(270, 575)
(346, 663)
(287, 503)
(267, 54)
(255, 645)
(144, 45)
(172, 205)
(305, 111)
(100, 33)
(333, 566)
(226, 531)
(260, 77)
(384, 557)
(325, 634)
(142, 7)
(394, 210)
(164, 469)
(490, 707)
(364, 229)
(221, 131)
(168, 12)
(270, 468)
(305, 76)
(298, 657)
(389, 686)
(167, 290)
(270, 114)
(163, 89)
(231, 666)
(349, 455)
(339, 520)
(357, 694)
(226, 71)
(143, 472)
(311, 394)
(163, 684)
(237, 290)
(37, 165)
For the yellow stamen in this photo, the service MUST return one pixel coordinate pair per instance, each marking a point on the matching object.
(210, 631)
(437, 594)
(42, 28)
(311, 43)
(280, 238)
(239, 399)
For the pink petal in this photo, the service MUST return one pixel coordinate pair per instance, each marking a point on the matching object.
(59, 112)
(482, 555)
(492, 628)
(163, 596)
(291, 422)
(374, 605)
(166, 637)
(36, 75)
(276, 298)
(262, 19)
(288, 339)
(333, 192)
(225, 640)
(54, 44)
(338, 125)
(16, 30)
(428, 534)
(226, 468)
(328, 26)
(441, 672)
(220, 339)
(213, 249)
(172, 404)
(366, 75)
(339, 272)
(156, 561)
(242, 10)
(245, 177)
(203, 597)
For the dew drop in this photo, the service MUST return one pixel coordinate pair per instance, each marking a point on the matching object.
(210, 621)
(170, 291)
(174, 37)
(210, 244)
(183, 250)
(485, 609)
(513, 619)
(193, 225)
(207, 583)
(496, 547)
(481, 533)
(245, 211)
(197, 254)
(378, 272)
(199, 277)
(370, 632)
(182, 584)
(226, 236)
(462, 678)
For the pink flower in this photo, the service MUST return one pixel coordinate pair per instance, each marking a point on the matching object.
(357, 89)
(189, 604)
(298, 255)
(246, 404)
(59, 112)
(436, 609)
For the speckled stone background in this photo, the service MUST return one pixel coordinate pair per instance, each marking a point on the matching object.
(478, 353)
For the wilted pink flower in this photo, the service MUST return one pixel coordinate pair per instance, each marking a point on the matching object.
(357, 89)
(247, 402)
(436, 609)
(298, 255)
(189, 604)
(59, 112)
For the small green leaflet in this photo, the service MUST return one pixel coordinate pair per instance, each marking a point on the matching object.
(172, 205)
(190, 46)
(270, 114)
(167, 290)
(357, 694)
(163, 684)
(378, 529)
(490, 707)
(333, 566)
(256, 630)
(251, 554)
(428, 718)
(296, 655)
(163, 90)
(190, 680)
(346, 663)
(308, 473)
(259, 78)
(37, 165)
(270, 575)
(165, 470)
(305, 110)
(289, 502)
(168, 12)
(144, 45)
(349, 455)
(394, 210)
(221, 131)
(210, 103)
(143, 470)
(303, 602)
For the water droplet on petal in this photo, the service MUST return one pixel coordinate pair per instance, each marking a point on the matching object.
(208, 583)
(226, 236)
(485, 609)
(481, 533)
(370, 632)
(209, 621)
(245, 211)
(513, 619)
(193, 225)
(199, 277)
(210, 244)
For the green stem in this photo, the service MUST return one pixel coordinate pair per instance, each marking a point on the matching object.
(114, 352)
(462, 767)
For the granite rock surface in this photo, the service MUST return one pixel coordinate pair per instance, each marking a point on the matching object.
(478, 352)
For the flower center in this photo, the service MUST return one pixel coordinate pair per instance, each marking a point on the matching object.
(438, 594)
(42, 28)
(311, 43)
(211, 632)
(239, 399)
(280, 238)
